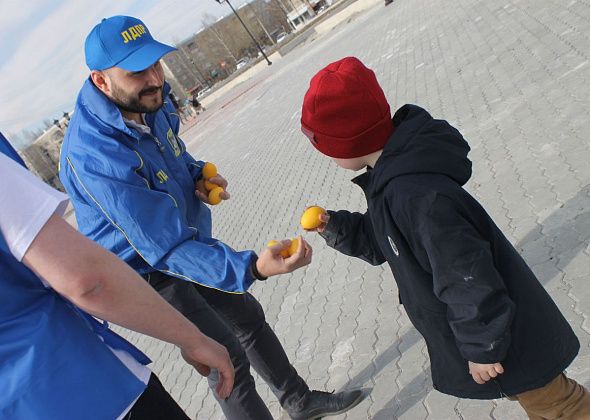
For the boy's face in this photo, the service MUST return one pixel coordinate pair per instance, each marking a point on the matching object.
(353, 164)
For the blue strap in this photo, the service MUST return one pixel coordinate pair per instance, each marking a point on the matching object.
(8, 150)
(4, 245)
(110, 338)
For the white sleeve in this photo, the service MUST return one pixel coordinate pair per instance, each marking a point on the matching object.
(26, 203)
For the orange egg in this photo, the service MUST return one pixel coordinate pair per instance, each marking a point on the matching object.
(214, 196)
(285, 253)
(311, 217)
(293, 247)
(209, 170)
(209, 185)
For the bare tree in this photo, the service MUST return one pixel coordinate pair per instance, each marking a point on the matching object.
(257, 19)
(208, 22)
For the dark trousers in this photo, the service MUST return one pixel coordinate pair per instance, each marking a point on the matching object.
(237, 321)
(155, 404)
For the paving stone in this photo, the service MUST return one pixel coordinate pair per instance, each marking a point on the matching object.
(514, 77)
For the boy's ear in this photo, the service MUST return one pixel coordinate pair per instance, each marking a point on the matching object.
(309, 134)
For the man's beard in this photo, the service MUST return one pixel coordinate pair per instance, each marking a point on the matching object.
(132, 104)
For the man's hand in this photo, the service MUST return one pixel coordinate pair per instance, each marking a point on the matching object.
(207, 355)
(482, 373)
(270, 262)
(324, 218)
(202, 193)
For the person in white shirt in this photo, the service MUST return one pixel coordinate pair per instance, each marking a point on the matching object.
(56, 360)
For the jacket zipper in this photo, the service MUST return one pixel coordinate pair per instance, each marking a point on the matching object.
(502, 394)
(160, 145)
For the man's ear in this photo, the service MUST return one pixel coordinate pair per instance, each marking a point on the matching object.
(99, 78)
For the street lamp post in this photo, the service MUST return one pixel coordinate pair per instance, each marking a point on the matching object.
(247, 30)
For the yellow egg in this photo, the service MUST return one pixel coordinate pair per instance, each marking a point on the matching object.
(293, 247)
(311, 217)
(290, 250)
(209, 170)
(214, 197)
(209, 185)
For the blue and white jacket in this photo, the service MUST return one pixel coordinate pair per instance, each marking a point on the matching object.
(134, 194)
(54, 363)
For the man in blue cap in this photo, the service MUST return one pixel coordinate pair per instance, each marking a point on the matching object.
(56, 360)
(138, 193)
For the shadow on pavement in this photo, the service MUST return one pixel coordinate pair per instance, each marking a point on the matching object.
(409, 396)
(394, 351)
(566, 232)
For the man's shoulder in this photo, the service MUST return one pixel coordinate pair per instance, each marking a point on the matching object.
(91, 144)
(86, 150)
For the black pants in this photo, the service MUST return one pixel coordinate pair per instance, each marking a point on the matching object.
(155, 404)
(237, 321)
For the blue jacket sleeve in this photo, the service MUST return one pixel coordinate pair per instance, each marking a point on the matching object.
(152, 224)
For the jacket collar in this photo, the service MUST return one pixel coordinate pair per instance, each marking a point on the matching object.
(363, 180)
(97, 104)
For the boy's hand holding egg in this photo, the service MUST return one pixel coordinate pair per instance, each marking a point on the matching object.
(314, 219)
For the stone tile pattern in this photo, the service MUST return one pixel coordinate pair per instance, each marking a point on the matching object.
(514, 77)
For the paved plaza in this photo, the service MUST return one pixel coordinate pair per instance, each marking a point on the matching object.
(514, 77)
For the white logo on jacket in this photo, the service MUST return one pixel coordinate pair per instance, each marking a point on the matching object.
(393, 246)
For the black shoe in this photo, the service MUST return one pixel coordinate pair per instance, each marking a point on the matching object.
(317, 404)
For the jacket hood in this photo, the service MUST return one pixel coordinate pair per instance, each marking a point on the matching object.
(421, 144)
(95, 103)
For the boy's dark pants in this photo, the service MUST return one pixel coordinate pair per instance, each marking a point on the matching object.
(237, 321)
(562, 398)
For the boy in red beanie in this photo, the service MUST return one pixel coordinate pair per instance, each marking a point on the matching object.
(491, 329)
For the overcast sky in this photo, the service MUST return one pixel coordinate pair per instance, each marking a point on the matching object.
(42, 48)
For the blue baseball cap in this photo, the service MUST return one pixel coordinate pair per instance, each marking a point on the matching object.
(122, 41)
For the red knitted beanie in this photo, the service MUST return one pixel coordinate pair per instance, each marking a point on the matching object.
(345, 113)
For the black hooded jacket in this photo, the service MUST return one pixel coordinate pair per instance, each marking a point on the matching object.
(463, 285)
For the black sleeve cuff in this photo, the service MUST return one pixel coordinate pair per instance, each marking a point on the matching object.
(255, 273)
(330, 233)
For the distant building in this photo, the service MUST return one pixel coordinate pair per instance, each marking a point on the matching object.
(42, 156)
(212, 53)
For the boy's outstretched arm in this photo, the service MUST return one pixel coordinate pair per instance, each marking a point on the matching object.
(465, 278)
(352, 234)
